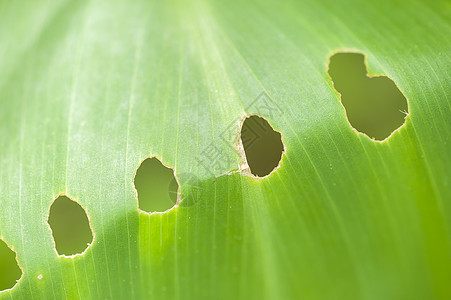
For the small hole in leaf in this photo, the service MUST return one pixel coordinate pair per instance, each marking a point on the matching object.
(10, 272)
(262, 145)
(70, 227)
(156, 186)
(374, 105)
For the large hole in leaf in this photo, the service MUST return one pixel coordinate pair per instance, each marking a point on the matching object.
(10, 272)
(262, 145)
(374, 105)
(70, 227)
(156, 186)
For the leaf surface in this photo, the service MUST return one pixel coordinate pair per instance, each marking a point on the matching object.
(90, 89)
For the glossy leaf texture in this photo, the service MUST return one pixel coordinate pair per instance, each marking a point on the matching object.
(89, 89)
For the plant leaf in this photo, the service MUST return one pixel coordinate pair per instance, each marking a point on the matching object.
(90, 89)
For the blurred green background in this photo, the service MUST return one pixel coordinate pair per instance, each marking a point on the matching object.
(9, 270)
(70, 226)
(374, 106)
(156, 186)
(262, 145)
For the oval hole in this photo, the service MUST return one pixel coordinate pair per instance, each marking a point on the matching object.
(70, 227)
(262, 145)
(10, 271)
(156, 186)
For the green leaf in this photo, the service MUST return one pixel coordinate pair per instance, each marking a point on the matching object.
(89, 89)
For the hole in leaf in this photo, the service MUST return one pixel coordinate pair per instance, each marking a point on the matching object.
(70, 227)
(10, 272)
(262, 145)
(156, 186)
(374, 105)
